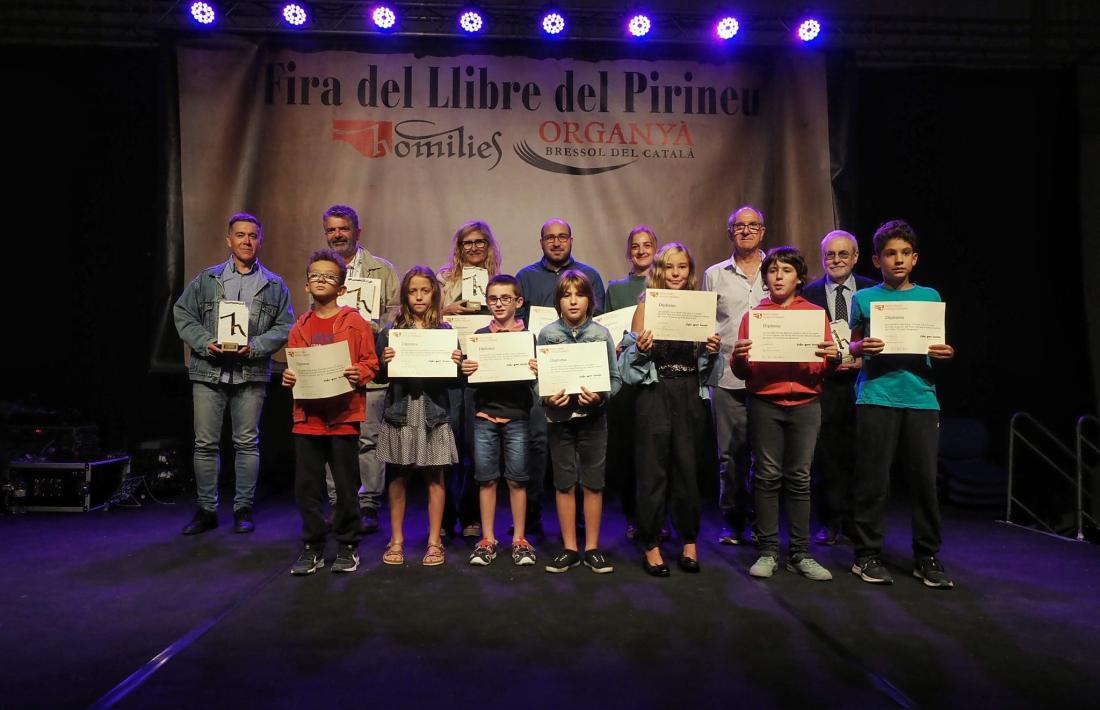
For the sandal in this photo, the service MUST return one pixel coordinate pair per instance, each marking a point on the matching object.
(434, 555)
(394, 554)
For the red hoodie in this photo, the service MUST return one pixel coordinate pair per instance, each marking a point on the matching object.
(784, 383)
(322, 416)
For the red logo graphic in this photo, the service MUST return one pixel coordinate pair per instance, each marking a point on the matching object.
(373, 139)
(878, 307)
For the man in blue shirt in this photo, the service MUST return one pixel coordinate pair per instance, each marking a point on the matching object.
(235, 380)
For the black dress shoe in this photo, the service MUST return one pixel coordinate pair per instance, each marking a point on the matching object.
(657, 570)
(242, 520)
(204, 520)
(688, 564)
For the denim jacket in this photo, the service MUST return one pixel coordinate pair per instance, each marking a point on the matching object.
(270, 317)
(436, 390)
(588, 332)
(638, 368)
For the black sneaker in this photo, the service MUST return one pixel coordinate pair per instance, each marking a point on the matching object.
(595, 561)
(368, 520)
(484, 553)
(347, 559)
(564, 561)
(242, 520)
(871, 569)
(202, 521)
(308, 562)
(930, 571)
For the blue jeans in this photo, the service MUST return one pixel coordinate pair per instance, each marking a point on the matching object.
(246, 403)
(488, 440)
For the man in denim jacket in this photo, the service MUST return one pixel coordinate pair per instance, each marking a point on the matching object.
(237, 380)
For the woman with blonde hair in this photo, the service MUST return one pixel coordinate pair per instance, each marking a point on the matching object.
(472, 245)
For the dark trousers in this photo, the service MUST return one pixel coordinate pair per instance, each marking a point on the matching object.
(461, 504)
(910, 437)
(735, 469)
(670, 425)
(835, 456)
(341, 453)
(783, 440)
(621, 420)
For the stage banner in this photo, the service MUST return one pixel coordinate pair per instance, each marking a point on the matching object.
(420, 144)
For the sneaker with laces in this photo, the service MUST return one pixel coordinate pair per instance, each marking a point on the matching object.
(484, 553)
(931, 572)
(871, 569)
(764, 567)
(810, 569)
(523, 553)
(595, 561)
(308, 562)
(564, 561)
(347, 559)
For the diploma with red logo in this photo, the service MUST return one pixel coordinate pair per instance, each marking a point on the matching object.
(501, 357)
(320, 370)
(908, 327)
(785, 335)
(466, 326)
(570, 366)
(423, 352)
(539, 318)
(680, 315)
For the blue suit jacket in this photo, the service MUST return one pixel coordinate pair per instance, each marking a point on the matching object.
(815, 293)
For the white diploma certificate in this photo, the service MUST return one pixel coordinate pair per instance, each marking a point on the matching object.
(570, 366)
(785, 336)
(466, 325)
(233, 322)
(908, 327)
(617, 322)
(501, 357)
(475, 280)
(539, 318)
(423, 352)
(842, 336)
(680, 315)
(320, 370)
(363, 295)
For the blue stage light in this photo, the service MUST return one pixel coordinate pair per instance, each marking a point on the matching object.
(727, 27)
(471, 21)
(553, 23)
(294, 14)
(203, 13)
(383, 17)
(639, 25)
(809, 30)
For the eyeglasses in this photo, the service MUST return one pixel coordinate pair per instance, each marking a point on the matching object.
(842, 255)
(556, 238)
(475, 244)
(502, 300)
(314, 277)
(753, 227)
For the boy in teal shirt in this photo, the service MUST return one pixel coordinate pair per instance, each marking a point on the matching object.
(897, 418)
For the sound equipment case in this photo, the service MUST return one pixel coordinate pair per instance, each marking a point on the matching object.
(66, 486)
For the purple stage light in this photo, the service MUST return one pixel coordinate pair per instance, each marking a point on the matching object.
(809, 30)
(294, 14)
(727, 27)
(203, 13)
(553, 23)
(383, 17)
(471, 21)
(639, 25)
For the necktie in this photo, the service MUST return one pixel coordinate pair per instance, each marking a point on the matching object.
(840, 306)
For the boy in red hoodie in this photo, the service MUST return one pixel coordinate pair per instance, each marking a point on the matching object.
(326, 431)
(784, 418)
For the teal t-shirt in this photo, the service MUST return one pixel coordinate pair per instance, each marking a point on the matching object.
(903, 381)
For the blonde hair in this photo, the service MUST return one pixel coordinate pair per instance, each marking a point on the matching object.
(451, 272)
(655, 277)
(431, 317)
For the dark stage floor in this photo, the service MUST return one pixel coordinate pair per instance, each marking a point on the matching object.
(89, 599)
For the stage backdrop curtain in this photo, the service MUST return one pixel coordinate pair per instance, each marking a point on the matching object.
(420, 144)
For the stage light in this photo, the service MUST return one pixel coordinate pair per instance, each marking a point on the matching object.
(553, 23)
(203, 13)
(639, 25)
(727, 27)
(383, 17)
(471, 21)
(809, 30)
(294, 14)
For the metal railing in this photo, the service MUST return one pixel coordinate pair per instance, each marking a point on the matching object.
(1050, 440)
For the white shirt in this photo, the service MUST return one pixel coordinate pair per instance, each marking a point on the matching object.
(736, 295)
(830, 294)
